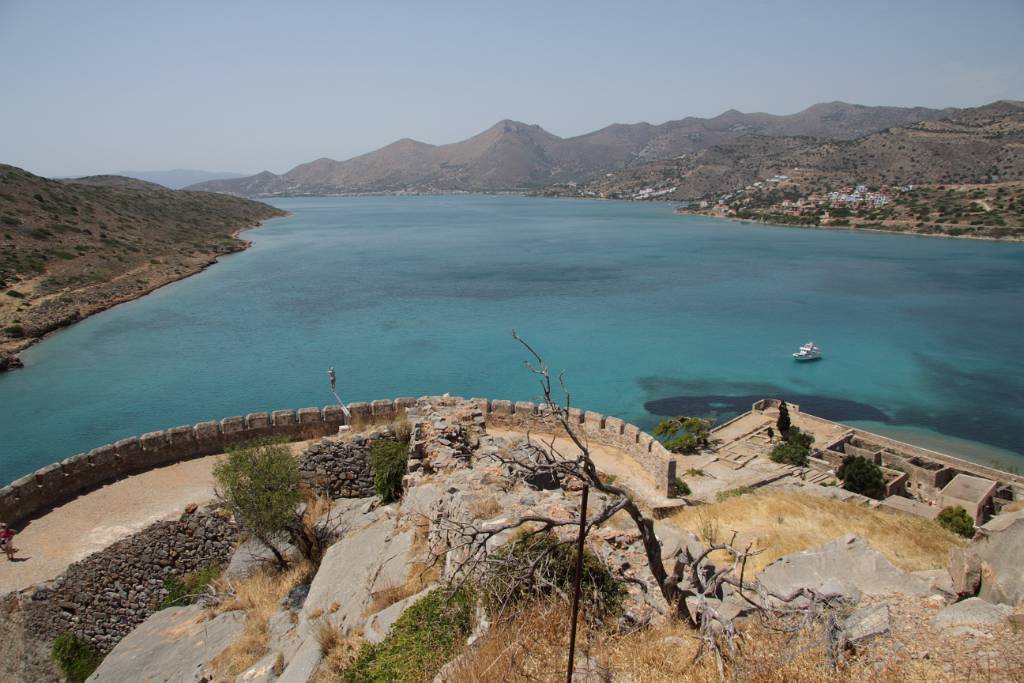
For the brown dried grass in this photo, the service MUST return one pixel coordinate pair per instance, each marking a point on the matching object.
(259, 595)
(339, 651)
(533, 647)
(779, 523)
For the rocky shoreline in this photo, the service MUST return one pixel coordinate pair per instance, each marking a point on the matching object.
(9, 349)
(849, 228)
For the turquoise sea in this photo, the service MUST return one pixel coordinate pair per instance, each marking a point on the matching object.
(418, 295)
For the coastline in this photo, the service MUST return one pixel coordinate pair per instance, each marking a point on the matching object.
(9, 359)
(850, 228)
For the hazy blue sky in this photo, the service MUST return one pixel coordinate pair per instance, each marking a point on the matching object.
(90, 86)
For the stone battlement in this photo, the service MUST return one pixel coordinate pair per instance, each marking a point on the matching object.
(36, 493)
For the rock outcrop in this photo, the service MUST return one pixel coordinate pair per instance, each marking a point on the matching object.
(174, 644)
(992, 564)
(847, 563)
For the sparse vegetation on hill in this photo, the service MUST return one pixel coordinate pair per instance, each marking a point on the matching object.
(779, 523)
(70, 248)
(516, 156)
(966, 173)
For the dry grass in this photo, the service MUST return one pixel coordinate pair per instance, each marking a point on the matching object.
(259, 595)
(399, 424)
(533, 647)
(780, 523)
(485, 508)
(339, 651)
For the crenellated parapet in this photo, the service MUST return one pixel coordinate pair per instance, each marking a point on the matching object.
(597, 428)
(35, 493)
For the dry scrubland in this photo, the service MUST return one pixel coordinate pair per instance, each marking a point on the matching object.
(70, 249)
(531, 646)
(781, 523)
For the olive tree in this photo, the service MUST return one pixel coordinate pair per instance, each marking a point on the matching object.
(259, 483)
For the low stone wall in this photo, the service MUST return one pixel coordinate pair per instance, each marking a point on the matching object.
(106, 595)
(340, 469)
(35, 493)
(602, 429)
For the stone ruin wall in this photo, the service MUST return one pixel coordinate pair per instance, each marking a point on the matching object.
(104, 596)
(602, 429)
(36, 493)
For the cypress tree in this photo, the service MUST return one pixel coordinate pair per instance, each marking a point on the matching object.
(783, 422)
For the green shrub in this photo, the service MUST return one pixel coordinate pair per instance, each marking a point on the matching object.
(957, 520)
(16, 331)
(184, 590)
(15, 293)
(794, 449)
(684, 434)
(259, 483)
(799, 438)
(682, 488)
(733, 493)
(419, 643)
(534, 566)
(789, 454)
(388, 460)
(862, 476)
(75, 657)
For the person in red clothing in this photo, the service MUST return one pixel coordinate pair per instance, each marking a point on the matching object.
(7, 541)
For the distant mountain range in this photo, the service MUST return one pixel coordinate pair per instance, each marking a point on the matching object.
(513, 156)
(177, 178)
(969, 146)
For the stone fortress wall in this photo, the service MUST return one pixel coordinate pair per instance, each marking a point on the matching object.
(36, 493)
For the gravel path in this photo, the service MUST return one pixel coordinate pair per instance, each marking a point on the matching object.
(47, 545)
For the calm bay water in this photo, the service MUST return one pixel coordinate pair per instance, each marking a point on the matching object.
(417, 295)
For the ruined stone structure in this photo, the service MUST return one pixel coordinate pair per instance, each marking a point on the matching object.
(916, 478)
(339, 469)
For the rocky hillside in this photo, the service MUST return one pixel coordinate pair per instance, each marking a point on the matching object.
(972, 146)
(516, 156)
(74, 247)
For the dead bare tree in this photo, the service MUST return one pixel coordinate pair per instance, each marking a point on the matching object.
(692, 590)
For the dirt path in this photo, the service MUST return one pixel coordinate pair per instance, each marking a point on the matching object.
(609, 460)
(92, 522)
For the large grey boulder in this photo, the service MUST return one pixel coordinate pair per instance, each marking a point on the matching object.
(867, 623)
(971, 612)
(845, 565)
(368, 560)
(1000, 549)
(175, 644)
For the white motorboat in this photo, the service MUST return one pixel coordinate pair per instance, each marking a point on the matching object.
(808, 352)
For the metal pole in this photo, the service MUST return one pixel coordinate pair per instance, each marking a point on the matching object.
(577, 580)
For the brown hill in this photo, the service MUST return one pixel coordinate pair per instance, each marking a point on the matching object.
(984, 144)
(73, 248)
(516, 156)
(114, 181)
